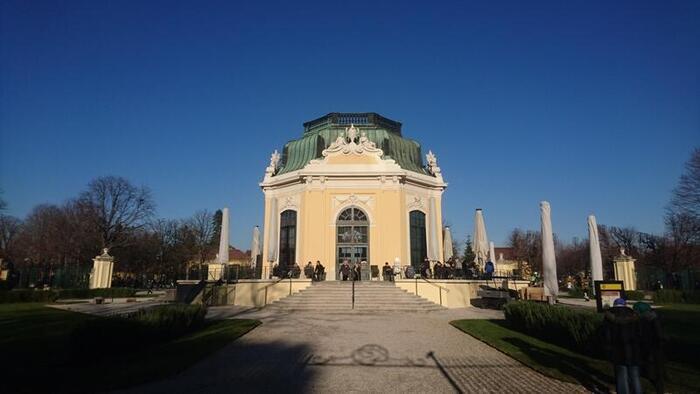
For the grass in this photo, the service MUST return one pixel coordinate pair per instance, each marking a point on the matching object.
(36, 354)
(681, 323)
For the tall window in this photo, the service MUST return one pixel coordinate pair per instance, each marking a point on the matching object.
(288, 238)
(419, 248)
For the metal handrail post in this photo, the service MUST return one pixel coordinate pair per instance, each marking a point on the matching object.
(353, 294)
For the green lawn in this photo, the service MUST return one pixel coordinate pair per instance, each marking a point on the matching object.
(681, 324)
(35, 354)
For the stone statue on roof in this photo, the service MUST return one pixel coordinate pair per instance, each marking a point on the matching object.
(432, 163)
(274, 163)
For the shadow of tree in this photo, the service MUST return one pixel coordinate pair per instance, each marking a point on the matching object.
(587, 375)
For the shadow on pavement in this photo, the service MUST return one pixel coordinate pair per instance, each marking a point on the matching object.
(253, 368)
(585, 374)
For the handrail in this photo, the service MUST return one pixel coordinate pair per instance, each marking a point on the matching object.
(434, 284)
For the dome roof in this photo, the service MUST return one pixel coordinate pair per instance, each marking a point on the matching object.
(320, 133)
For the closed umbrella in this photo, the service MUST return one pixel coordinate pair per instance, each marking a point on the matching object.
(480, 242)
(255, 248)
(492, 254)
(447, 244)
(223, 241)
(433, 244)
(549, 262)
(594, 246)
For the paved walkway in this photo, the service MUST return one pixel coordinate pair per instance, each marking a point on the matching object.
(395, 353)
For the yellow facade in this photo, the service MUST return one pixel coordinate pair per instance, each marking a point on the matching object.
(351, 177)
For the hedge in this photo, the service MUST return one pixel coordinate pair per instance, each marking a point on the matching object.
(34, 295)
(112, 292)
(575, 329)
(634, 295)
(669, 296)
(27, 295)
(133, 332)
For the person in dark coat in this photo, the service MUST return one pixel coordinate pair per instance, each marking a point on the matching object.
(319, 271)
(345, 270)
(309, 271)
(425, 269)
(651, 341)
(410, 272)
(621, 326)
(387, 272)
(357, 271)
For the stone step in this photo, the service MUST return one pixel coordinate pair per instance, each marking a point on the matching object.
(370, 297)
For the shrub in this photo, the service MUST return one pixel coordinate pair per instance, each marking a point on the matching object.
(119, 334)
(113, 292)
(669, 296)
(27, 295)
(634, 295)
(578, 330)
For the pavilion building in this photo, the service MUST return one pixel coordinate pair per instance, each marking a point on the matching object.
(352, 188)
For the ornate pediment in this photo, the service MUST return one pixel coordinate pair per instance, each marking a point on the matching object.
(353, 199)
(350, 143)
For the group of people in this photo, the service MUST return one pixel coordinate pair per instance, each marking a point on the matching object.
(353, 272)
(316, 273)
(633, 342)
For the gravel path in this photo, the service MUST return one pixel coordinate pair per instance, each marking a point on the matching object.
(360, 353)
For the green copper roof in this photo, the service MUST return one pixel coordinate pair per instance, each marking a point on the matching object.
(321, 132)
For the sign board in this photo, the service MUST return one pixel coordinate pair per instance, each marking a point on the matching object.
(607, 291)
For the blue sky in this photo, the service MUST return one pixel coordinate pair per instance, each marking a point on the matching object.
(594, 106)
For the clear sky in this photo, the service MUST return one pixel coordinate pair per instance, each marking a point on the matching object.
(594, 106)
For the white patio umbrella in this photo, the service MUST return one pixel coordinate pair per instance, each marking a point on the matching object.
(480, 242)
(272, 232)
(594, 246)
(223, 241)
(447, 244)
(549, 262)
(255, 248)
(492, 253)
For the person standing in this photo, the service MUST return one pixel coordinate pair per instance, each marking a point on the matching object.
(357, 271)
(345, 270)
(621, 327)
(319, 271)
(651, 345)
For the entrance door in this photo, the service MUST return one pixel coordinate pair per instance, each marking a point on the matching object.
(352, 239)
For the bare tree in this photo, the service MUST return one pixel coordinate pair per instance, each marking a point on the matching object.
(202, 229)
(118, 208)
(686, 196)
(9, 228)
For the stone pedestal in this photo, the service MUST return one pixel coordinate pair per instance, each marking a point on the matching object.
(215, 271)
(102, 268)
(625, 271)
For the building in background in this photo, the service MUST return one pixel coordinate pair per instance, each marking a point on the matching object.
(352, 187)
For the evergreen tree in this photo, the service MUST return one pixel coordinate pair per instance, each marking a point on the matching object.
(468, 264)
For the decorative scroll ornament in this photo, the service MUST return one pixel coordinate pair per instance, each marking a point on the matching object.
(349, 143)
(274, 163)
(432, 163)
(353, 199)
(289, 202)
(415, 203)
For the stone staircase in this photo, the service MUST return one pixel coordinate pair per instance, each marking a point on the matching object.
(370, 297)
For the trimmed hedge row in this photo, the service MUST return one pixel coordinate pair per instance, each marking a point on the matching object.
(32, 295)
(27, 295)
(135, 331)
(112, 292)
(668, 296)
(575, 329)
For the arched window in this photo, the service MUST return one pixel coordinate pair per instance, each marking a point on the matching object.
(352, 237)
(419, 248)
(288, 238)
